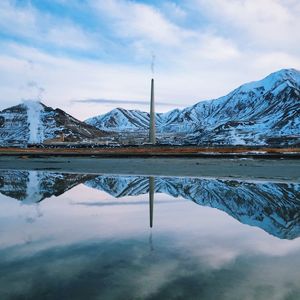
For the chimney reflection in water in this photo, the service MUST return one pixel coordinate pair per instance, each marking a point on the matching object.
(151, 198)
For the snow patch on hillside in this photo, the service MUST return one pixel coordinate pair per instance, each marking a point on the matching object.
(34, 114)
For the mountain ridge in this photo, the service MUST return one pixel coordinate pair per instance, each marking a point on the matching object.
(254, 114)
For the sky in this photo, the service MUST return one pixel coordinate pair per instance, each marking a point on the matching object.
(90, 56)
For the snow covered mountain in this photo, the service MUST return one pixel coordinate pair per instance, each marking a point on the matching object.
(273, 207)
(34, 122)
(265, 112)
(120, 119)
(256, 113)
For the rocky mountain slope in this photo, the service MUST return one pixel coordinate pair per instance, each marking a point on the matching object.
(120, 119)
(256, 113)
(34, 122)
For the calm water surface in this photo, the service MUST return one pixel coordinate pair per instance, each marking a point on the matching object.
(81, 236)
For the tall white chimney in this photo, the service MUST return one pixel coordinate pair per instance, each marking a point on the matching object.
(152, 135)
(151, 198)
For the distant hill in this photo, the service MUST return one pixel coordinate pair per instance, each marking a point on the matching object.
(34, 122)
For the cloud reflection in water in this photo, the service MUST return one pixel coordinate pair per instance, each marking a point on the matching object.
(82, 246)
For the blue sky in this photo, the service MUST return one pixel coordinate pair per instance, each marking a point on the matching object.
(79, 55)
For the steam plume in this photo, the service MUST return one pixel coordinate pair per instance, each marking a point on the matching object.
(153, 63)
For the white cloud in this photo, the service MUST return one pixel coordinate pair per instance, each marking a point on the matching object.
(174, 11)
(135, 20)
(211, 47)
(272, 24)
(29, 23)
(64, 79)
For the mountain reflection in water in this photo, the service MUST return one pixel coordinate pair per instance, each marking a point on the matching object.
(273, 207)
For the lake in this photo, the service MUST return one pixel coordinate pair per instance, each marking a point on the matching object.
(85, 236)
